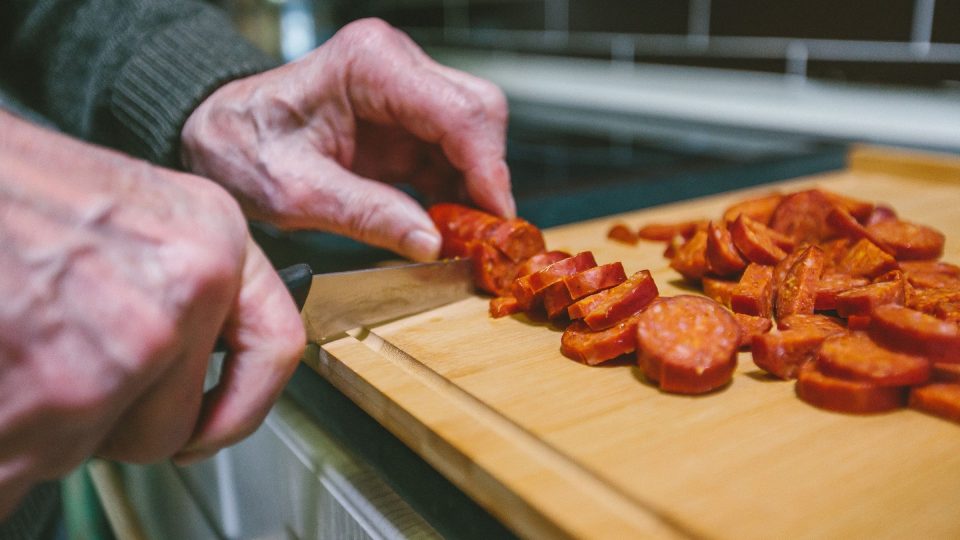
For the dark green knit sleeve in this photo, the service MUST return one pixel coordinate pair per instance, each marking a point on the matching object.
(122, 73)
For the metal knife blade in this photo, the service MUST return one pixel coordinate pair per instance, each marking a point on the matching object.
(339, 301)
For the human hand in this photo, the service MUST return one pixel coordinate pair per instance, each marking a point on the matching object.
(116, 278)
(315, 144)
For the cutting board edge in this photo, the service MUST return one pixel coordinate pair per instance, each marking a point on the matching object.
(600, 509)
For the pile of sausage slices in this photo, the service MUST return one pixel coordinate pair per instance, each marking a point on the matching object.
(840, 294)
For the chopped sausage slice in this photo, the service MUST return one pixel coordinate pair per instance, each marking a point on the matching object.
(665, 232)
(834, 250)
(723, 259)
(802, 216)
(858, 322)
(846, 225)
(863, 300)
(688, 344)
(502, 306)
(938, 399)
(618, 302)
(931, 274)
(493, 271)
(944, 372)
(783, 354)
(781, 268)
(758, 209)
(831, 285)
(690, 260)
(517, 238)
(880, 213)
(865, 259)
(909, 241)
(797, 293)
(750, 327)
(540, 261)
(840, 395)
(914, 332)
(720, 290)
(528, 290)
(579, 342)
(595, 279)
(861, 210)
(929, 300)
(753, 295)
(948, 311)
(856, 357)
(558, 296)
(556, 299)
(622, 233)
(755, 242)
(822, 323)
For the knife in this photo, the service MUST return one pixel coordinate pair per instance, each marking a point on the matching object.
(334, 302)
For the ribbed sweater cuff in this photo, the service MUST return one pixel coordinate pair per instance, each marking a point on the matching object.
(168, 77)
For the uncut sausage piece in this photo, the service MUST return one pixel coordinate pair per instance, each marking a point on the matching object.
(688, 344)
(460, 225)
(855, 397)
(856, 357)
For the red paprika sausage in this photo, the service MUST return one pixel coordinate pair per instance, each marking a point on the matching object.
(688, 344)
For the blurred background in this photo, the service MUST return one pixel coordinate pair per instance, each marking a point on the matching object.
(609, 93)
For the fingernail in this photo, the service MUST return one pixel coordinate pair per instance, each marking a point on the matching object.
(508, 204)
(421, 245)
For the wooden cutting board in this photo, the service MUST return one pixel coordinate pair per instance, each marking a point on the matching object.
(554, 448)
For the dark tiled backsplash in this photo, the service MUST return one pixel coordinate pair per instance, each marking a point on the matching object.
(900, 41)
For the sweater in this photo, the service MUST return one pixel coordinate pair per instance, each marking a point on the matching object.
(121, 73)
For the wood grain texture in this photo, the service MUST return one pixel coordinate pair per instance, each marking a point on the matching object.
(555, 448)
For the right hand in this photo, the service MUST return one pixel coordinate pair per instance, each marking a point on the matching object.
(116, 278)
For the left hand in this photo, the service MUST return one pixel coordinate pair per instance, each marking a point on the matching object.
(315, 144)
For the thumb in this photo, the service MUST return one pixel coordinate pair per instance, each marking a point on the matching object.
(336, 200)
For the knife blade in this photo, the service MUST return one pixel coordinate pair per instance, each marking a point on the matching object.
(334, 302)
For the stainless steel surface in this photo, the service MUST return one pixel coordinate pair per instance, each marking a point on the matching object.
(340, 301)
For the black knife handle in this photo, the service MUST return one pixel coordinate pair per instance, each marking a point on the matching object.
(297, 279)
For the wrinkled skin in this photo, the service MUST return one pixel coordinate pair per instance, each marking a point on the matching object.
(116, 278)
(316, 144)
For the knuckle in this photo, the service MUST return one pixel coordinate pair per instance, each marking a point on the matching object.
(372, 33)
(468, 106)
(497, 99)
